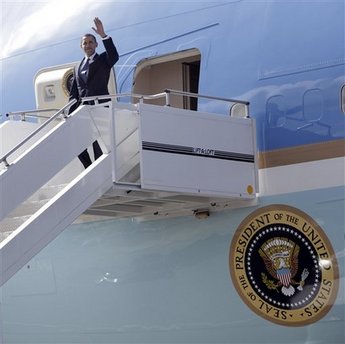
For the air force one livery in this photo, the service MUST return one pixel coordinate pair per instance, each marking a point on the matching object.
(216, 212)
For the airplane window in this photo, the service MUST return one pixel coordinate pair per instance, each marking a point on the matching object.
(276, 111)
(343, 99)
(313, 105)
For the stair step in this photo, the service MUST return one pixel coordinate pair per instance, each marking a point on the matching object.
(132, 176)
(4, 235)
(46, 193)
(22, 213)
(27, 208)
(11, 224)
(36, 201)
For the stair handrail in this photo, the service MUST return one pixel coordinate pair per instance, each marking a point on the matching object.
(166, 93)
(197, 95)
(42, 126)
(96, 99)
(23, 114)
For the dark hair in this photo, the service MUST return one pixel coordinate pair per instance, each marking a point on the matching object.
(89, 35)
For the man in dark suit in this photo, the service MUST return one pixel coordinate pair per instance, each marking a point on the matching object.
(91, 76)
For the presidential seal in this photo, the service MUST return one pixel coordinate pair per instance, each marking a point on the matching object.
(67, 80)
(283, 266)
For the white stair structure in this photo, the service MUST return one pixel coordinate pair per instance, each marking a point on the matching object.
(157, 161)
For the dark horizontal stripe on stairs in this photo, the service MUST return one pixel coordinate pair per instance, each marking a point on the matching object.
(196, 151)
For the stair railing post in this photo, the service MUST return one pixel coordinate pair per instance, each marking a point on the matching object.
(113, 140)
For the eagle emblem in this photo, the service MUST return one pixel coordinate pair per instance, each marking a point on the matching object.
(280, 256)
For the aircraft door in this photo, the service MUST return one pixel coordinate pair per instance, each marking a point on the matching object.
(52, 86)
(178, 71)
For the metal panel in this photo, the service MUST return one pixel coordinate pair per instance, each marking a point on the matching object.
(126, 142)
(200, 153)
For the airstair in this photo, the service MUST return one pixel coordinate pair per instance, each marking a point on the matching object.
(157, 161)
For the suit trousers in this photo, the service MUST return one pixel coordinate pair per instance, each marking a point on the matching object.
(84, 156)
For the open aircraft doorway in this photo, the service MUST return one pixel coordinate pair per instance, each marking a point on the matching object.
(178, 71)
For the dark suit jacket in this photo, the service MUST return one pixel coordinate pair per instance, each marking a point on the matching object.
(98, 76)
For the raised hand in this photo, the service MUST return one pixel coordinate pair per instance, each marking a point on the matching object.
(99, 29)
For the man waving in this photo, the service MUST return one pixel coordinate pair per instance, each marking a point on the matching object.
(91, 76)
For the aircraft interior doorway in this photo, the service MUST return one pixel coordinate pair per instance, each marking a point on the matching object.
(178, 71)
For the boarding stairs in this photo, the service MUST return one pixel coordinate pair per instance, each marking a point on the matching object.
(157, 161)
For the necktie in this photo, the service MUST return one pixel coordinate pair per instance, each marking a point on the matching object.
(84, 70)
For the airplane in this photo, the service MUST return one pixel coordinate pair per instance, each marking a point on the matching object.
(215, 214)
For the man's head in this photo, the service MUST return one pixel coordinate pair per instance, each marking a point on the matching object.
(88, 44)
